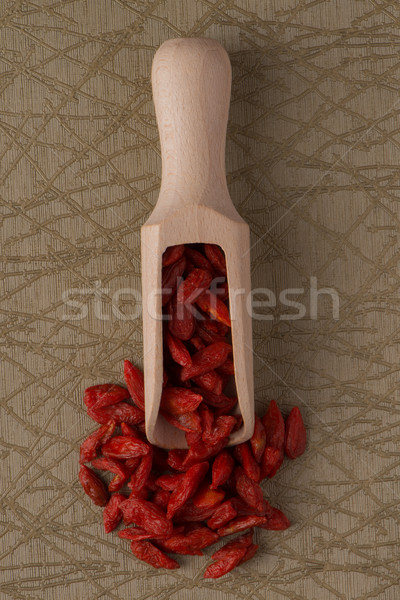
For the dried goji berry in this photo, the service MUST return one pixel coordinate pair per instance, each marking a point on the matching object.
(222, 428)
(187, 422)
(243, 541)
(296, 437)
(125, 447)
(205, 360)
(211, 304)
(191, 542)
(176, 458)
(91, 445)
(201, 451)
(170, 278)
(224, 565)
(169, 481)
(274, 426)
(135, 383)
(112, 514)
(207, 497)
(277, 521)
(210, 381)
(117, 412)
(216, 257)
(244, 456)
(248, 489)
(104, 394)
(221, 469)
(224, 513)
(241, 524)
(114, 466)
(190, 513)
(271, 461)
(259, 439)
(227, 368)
(149, 553)
(141, 475)
(172, 254)
(193, 286)
(178, 401)
(219, 401)
(93, 486)
(147, 515)
(250, 552)
(177, 349)
(161, 498)
(182, 323)
(198, 259)
(187, 487)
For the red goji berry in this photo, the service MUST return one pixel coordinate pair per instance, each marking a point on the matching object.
(250, 552)
(259, 439)
(177, 349)
(244, 456)
(271, 461)
(193, 286)
(117, 412)
(187, 487)
(178, 401)
(224, 565)
(172, 254)
(207, 359)
(147, 515)
(191, 542)
(176, 458)
(206, 497)
(198, 259)
(222, 469)
(169, 481)
(187, 422)
(170, 278)
(216, 257)
(274, 426)
(112, 514)
(182, 323)
(224, 513)
(93, 486)
(248, 489)
(210, 381)
(243, 541)
(115, 466)
(211, 304)
(91, 445)
(104, 394)
(201, 451)
(161, 498)
(241, 524)
(296, 437)
(135, 383)
(125, 447)
(140, 477)
(149, 553)
(277, 521)
(222, 428)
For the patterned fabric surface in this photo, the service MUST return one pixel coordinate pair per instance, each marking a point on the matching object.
(312, 163)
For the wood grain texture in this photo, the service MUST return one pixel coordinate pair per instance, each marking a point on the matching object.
(191, 81)
(312, 161)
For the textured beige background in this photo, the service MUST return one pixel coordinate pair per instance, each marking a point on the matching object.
(312, 160)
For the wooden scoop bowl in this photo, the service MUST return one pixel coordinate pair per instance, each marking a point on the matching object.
(191, 81)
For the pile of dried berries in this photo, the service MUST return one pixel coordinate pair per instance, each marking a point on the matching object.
(182, 501)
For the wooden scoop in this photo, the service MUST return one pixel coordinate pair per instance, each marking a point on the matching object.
(191, 81)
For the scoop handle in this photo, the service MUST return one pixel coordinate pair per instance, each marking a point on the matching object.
(191, 79)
